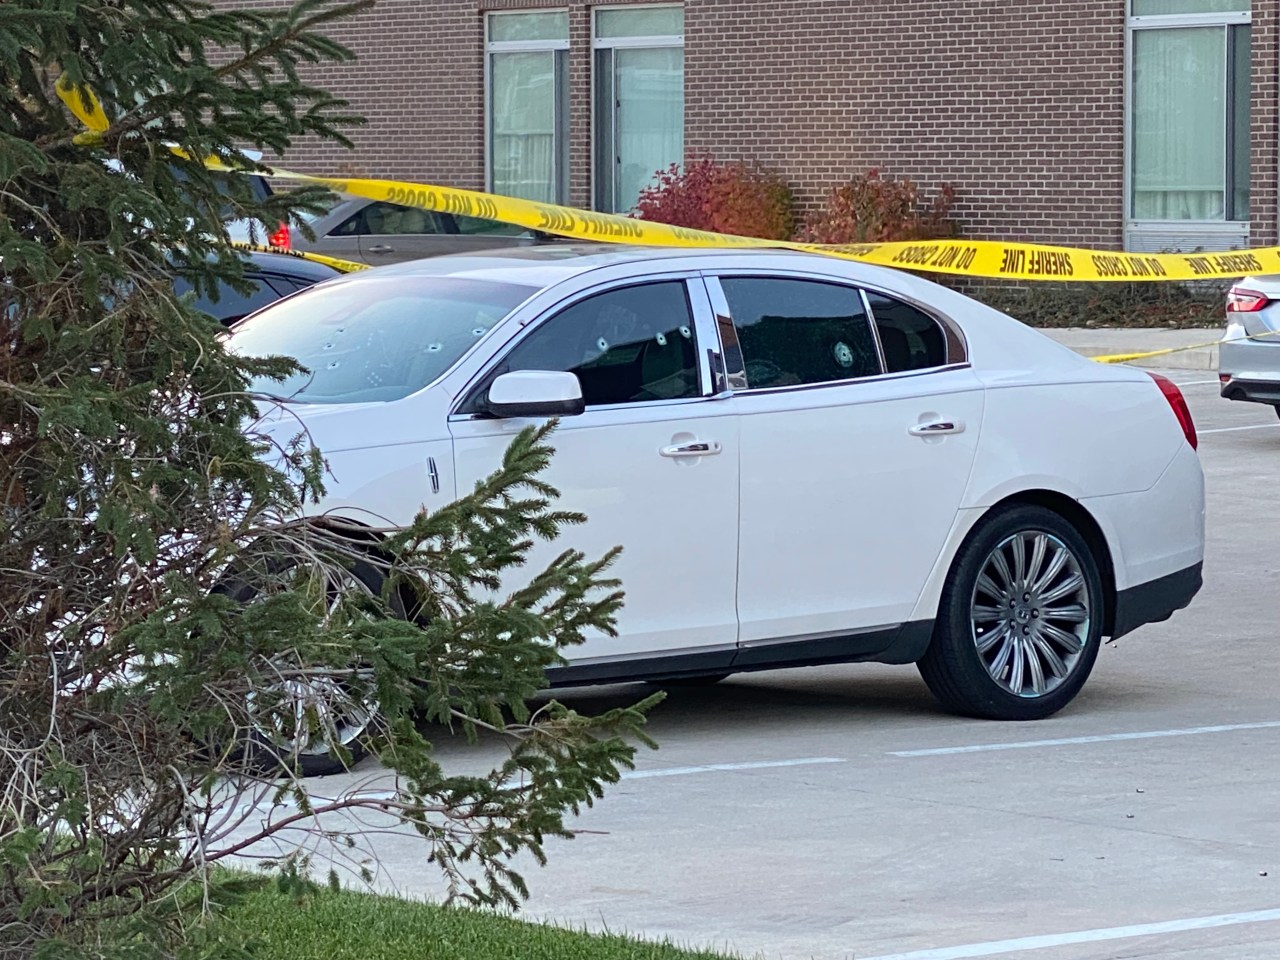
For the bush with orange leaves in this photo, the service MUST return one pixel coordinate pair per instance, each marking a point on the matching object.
(874, 209)
(744, 199)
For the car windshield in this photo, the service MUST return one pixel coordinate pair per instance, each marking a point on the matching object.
(373, 339)
(258, 187)
(327, 207)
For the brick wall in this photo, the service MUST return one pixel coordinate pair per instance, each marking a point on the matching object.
(417, 80)
(1020, 106)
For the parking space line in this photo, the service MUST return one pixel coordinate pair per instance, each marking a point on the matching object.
(375, 795)
(716, 767)
(1101, 738)
(996, 947)
(1252, 426)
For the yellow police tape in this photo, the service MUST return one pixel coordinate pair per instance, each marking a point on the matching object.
(974, 258)
(83, 103)
(351, 266)
(1148, 354)
(342, 266)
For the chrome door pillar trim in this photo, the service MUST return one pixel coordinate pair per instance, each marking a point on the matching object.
(726, 336)
(705, 336)
(875, 329)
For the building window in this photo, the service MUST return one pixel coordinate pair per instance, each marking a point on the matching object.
(639, 99)
(528, 105)
(1189, 88)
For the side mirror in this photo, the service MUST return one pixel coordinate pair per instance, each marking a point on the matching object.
(535, 393)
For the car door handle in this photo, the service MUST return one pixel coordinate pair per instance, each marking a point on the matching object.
(694, 448)
(935, 428)
(381, 248)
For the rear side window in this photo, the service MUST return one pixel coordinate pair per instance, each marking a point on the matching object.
(799, 332)
(230, 304)
(280, 285)
(910, 338)
(628, 345)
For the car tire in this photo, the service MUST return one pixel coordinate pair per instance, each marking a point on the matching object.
(260, 751)
(1020, 618)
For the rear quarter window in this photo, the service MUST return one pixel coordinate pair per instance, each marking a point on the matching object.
(909, 337)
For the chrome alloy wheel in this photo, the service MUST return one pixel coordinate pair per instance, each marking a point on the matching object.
(1030, 613)
(319, 710)
(323, 713)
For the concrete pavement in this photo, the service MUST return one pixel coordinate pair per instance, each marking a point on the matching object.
(836, 812)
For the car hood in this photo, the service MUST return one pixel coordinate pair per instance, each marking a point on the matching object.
(335, 427)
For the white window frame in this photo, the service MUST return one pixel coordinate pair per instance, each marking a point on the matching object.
(1157, 235)
(561, 106)
(671, 41)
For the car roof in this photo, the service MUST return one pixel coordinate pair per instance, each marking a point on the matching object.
(289, 265)
(546, 265)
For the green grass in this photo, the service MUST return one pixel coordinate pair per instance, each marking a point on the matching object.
(357, 926)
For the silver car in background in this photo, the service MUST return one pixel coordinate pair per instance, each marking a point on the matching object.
(377, 233)
(1249, 354)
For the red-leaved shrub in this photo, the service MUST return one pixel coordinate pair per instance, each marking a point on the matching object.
(874, 209)
(738, 198)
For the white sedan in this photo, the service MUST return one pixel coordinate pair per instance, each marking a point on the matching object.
(806, 460)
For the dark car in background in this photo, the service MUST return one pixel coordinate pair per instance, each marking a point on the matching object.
(246, 231)
(270, 275)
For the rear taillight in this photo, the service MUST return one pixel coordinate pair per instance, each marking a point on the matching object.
(281, 238)
(1179, 405)
(1242, 300)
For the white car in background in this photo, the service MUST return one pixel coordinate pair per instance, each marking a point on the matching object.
(806, 460)
(1249, 354)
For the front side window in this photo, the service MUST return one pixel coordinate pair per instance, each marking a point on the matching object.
(374, 339)
(800, 332)
(639, 100)
(528, 132)
(1189, 110)
(480, 227)
(629, 345)
(388, 218)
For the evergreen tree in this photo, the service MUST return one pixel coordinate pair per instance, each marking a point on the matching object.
(168, 624)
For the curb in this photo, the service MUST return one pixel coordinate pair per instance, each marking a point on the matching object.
(1096, 343)
(1201, 358)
